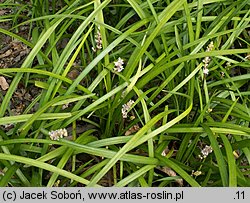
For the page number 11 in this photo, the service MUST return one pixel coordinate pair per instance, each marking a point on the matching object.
(240, 195)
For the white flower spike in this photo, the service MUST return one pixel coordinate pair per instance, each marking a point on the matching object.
(60, 133)
(119, 65)
(98, 40)
(205, 71)
(207, 59)
(126, 107)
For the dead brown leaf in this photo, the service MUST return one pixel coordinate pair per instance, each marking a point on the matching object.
(172, 173)
(132, 130)
(3, 83)
(7, 53)
(73, 74)
(4, 11)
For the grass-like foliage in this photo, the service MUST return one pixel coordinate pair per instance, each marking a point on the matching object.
(149, 92)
